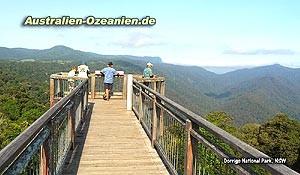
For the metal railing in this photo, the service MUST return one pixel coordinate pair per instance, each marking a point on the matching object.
(188, 144)
(96, 87)
(42, 148)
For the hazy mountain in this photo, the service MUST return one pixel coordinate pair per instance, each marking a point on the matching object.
(16, 53)
(254, 95)
(224, 69)
(62, 53)
(249, 95)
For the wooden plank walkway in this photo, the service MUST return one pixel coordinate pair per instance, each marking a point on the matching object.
(113, 142)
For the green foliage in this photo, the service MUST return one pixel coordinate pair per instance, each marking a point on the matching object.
(249, 133)
(279, 137)
(10, 130)
(208, 158)
(222, 120)
(23, 98)
(174, 145)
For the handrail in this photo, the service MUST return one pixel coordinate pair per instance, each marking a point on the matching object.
(96, 84)
(156, 112)
(32, 137)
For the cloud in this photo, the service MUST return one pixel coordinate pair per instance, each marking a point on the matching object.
(260, 52)
(137, 40)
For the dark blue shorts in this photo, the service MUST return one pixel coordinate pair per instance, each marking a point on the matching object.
(108, 86)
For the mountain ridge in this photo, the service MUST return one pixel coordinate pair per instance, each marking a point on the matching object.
(60, 52)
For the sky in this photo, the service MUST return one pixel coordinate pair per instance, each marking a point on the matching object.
(214, 33)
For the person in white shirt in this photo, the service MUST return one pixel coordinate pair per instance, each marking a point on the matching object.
(72, 73)
(83, 70)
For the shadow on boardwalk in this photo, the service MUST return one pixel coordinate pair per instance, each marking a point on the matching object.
(73, 158)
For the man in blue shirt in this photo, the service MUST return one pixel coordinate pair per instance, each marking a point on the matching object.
(109, 73)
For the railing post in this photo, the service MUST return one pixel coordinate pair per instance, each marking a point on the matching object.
(125, 87)
(161, 117)
(58, 89)
(154, 124)
(129, 92)
(72, 114)
(45, 159)
(82, 94)
(140, 105)
(93, 84)
(159, 113)
(47, 153)
(162, 88)
(86, 94)
(51, 92)
(188, 159)
(154, 85)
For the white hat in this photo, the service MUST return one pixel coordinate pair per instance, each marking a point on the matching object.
(149, 64)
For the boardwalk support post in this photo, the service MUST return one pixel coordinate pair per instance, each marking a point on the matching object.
(129, 92)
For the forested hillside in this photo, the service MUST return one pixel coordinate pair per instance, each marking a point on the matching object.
(24, 96)
(250, 95)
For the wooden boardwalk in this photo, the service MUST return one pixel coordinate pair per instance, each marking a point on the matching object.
(113, 142)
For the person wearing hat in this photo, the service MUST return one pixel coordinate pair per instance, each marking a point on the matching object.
(83, 70)
(147, 73)
(108, 73)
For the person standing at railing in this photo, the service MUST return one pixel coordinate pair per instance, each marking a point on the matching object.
(71, 81)
(108, 73)
(83, 70)
(147, 73)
